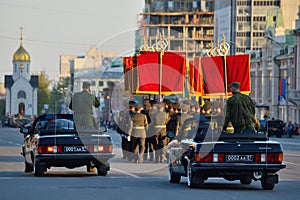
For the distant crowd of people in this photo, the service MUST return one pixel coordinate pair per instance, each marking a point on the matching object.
(148, 128)
(291, 129)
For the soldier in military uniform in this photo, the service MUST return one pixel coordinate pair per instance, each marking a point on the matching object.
(158, 129)
(139, 126)
(82, 104)
(240, 110)
(173, 122)
(123, 129)
(148, 148)
(186, 122)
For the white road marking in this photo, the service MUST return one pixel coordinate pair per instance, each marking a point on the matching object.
(124, 172)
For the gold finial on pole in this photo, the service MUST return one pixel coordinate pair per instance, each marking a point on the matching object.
(21, 34)
(160, 45)
(221, 49)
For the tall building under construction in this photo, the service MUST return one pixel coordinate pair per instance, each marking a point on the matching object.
(184, 25)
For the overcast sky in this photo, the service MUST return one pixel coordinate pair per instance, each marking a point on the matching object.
(55, 27)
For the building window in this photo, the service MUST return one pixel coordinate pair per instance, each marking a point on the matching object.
(93, 83)
(101, 83)
(21, 94)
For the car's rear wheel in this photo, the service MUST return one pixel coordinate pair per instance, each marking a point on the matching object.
(101, 170)
(173, 178)
(39, 169)
(246, 180)
(28, 167)
(267, 185)
(194, 181)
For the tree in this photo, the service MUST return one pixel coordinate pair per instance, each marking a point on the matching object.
(58, 95)
(43, 91)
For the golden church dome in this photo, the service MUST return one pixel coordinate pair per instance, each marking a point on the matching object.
(21, 54)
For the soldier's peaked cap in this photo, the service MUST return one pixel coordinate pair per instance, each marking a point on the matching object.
(131, 103)
(235, 85)
(86, 84)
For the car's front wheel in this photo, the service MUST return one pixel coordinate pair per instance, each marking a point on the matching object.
(173, 178)
(194, 181)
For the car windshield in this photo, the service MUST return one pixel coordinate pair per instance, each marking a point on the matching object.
(50, 123)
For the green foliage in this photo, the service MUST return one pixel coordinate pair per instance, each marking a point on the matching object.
(44, 91)
(58, 95)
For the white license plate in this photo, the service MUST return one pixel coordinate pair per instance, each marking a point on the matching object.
(75, 149)
(233, 158)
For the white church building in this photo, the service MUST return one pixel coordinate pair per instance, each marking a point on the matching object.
(21, 87)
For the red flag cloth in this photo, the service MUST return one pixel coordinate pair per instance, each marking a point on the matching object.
(213, 74)
(133, 74)
(196, 78)
(148, 72)
(173, 73)
(126, 68)
(129, 69)
(161, 72)
(238, 70)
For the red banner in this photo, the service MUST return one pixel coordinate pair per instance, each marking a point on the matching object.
(130, 77)
(238, 70)
(164, 74)
(148, 72)
(212, 74)
(196, 77)
(173, 73)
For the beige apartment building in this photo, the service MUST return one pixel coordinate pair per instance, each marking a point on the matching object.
(184, 26)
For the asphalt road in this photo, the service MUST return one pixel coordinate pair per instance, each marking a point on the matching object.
(129, 180)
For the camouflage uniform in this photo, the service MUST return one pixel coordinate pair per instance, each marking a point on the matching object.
(240, 111)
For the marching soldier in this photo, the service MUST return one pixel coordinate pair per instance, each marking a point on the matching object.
(123, 129)
(158, 128)
(173, 123)
(148, 147)
(139, 126)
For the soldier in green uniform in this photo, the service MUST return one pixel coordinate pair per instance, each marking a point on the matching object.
(139, 126)
(124, 127)
(240, 110)
(82, 104)
(158, 128)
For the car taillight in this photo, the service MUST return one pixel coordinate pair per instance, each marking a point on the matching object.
(101, 148)
(49, 149)
(269, 157)
(210, 157)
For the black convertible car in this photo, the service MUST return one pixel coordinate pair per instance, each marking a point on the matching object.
(203, 153)
(53, 141)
